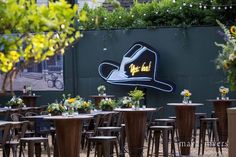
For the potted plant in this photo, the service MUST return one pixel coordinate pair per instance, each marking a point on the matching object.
(186, 96)
(71, 104)
(107, 104)
(136, 95)
(101, 90)
(125, 102)
(85, 107)
(223, 92)
(56, 108)
(15, 102)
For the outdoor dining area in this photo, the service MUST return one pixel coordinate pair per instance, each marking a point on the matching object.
(112, 127)
(135, 78)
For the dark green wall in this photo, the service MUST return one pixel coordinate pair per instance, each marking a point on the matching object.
(186, 58)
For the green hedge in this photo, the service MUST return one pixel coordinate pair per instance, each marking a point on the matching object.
(156, 14)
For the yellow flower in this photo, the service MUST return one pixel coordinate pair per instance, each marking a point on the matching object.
(14, 55)
(2, 55)
(85, 104)
(187, 94)
(226, 64)
(71, 100)
(83, 16)
(233, 30)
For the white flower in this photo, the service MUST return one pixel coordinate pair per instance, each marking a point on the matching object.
(232, 57)
(101, 88)
(186, 93)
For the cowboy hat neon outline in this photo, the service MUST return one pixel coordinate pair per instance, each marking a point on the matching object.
(118, 75)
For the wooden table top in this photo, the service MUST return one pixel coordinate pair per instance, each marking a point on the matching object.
(134, 110)
(183, 104)
(3, 122)
(30, 96)
(69, 117)
(102, 96)
(214, 100)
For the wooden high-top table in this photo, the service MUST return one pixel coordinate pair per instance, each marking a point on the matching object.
(68, 134)
(30, 100)
(220, 108)
(135, 127)
(185, 120)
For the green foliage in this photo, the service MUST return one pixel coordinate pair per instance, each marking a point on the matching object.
(15, 102)
(107, 104)
(226, 59)
(136, 94)
(32, 33)
(156, 13)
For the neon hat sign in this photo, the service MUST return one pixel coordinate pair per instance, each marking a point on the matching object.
(138, 68)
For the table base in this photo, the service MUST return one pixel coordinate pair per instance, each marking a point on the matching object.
(68, 134)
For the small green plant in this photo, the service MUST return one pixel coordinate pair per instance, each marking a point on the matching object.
(56, 108)
(85, 106)
(125, 102)
(15, 102)
(107, 104)
(136, 95)
(101, 89)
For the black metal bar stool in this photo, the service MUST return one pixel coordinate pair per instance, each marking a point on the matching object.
(34, 143)
(204, 123)
(103, 145)
(198, 116)
(154, 138)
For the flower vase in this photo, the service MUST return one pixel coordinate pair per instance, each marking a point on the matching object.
(185, 99)
(137, 103)
(107, 109)
(101, 93)
(223, 96)
(70, 111)
(83, 111)
(56, 113)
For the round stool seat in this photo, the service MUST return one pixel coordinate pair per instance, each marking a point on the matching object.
(161, 127)
(209, 119)
(200, 114)
(103, 138)
(165, 120)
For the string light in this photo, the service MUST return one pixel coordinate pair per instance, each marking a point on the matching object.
(207, 6)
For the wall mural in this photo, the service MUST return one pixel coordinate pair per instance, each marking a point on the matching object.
(47, 75)
(138, 67)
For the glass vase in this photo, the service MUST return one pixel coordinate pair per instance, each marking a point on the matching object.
(185, 100)
(136, 104)
(223, 96)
